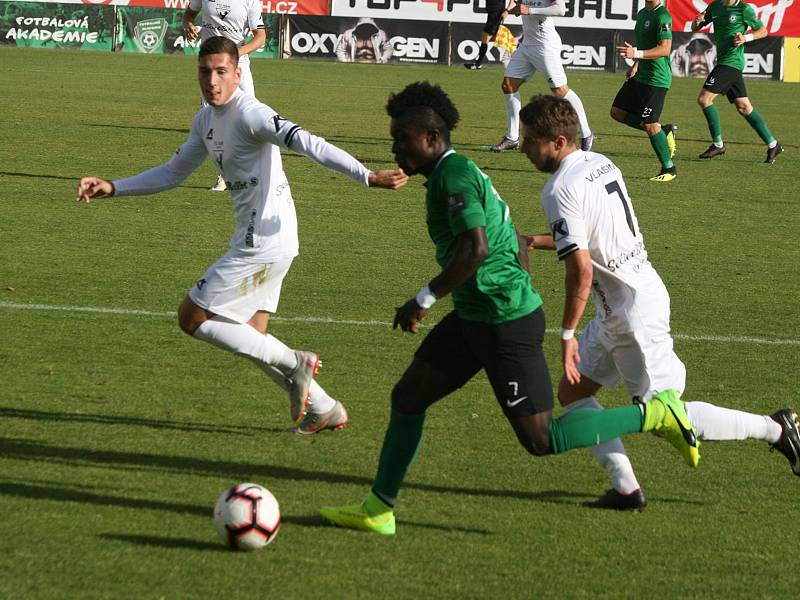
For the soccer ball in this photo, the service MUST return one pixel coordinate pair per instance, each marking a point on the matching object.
(247, 517)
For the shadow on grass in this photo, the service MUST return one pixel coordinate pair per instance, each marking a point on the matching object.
(137, 127)
(165, 542)
(25, 450)
(40, 415)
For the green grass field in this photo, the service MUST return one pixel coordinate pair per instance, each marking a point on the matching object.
(118, 432)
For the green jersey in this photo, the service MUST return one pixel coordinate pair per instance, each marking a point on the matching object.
(652, 26)
(728, 21)
(461, 197)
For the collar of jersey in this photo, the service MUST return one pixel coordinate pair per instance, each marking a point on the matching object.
(221, 109)
(571, 157)
(447, 153)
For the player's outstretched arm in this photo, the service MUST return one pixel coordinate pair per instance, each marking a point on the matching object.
(390, 179)
(540, 241)
(258, 41)
(94, 187)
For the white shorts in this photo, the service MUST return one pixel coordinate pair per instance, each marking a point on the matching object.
(529, 59)
(236, 288)
(643, 359)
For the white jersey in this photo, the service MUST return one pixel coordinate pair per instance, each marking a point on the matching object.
(538, 28)
(233, 19)
(588, 208)
(244, 138)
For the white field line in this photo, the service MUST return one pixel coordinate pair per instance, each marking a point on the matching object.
(372, 322)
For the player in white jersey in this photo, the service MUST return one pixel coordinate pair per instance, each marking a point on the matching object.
(540, 50)
(231, 304)
(595, 232)
(235, 20)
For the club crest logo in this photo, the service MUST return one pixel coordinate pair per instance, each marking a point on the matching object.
(149, 34)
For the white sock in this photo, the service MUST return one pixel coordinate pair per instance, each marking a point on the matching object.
(575, 100)
(717, 423)
(513, 104)
(241, 338)
(718, 144)
(611, 454)
(772, 144)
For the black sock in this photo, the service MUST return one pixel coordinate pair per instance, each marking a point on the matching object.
(482, 54)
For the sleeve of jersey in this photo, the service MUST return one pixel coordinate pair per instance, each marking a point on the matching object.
(566, 223)
(254, 18)
(267, 126)
(464, 208)
(169, 175)
(558, 8)
(751, 19)
(665, 29)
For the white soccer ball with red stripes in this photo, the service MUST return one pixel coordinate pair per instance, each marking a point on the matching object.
(247, 517)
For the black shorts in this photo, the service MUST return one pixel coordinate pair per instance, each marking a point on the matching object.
(494, 16)
(511, 353)
(726, 80)
(641, 99)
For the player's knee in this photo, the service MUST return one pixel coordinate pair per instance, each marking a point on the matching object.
(652, 128)
(187, 325)
(617, 114)
(507, 87)
(703, 101)
(402, 398)
(538, 444)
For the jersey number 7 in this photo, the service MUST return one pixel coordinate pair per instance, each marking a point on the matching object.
(613, 188)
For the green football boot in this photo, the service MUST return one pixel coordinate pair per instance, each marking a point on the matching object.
(668, 419)
(371, 515)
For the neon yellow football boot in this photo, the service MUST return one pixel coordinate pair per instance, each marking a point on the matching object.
(371, 515)
(665, 416)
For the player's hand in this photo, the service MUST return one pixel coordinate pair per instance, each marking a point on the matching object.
(391, 179)
(190, 30)
(630, 73)
(738, 39)
(626, 51)
(520, 9)
(93, 187)
(571, 358)
(529, 242)
(409, 315)
(697, 22)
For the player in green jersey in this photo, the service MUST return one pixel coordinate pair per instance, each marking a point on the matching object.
(731, 19)
(497, 323)
(640, 101)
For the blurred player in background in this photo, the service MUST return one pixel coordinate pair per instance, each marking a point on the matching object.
(495, 13)
(539, 50)
(231, 304)
(640, 101)
(497, 323)
(235, 20)
(731, 19)
(595, 232)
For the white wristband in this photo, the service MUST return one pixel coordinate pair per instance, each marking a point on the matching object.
(567, 334)
(638, 53)
(748, 37)
(425, 298)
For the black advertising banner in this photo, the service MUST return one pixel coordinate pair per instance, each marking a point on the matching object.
(587, 49)
(367, 40)
(694, 55)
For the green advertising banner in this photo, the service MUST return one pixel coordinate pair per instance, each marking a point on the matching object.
(160, 30)
(46, 25)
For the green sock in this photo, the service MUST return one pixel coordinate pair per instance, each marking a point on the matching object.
(584, 427)
(632, 120)
(660, 145)
(400, 446)
(757, 122)
(714, 127)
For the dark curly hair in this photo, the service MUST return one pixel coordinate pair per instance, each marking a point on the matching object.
(425, 106)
